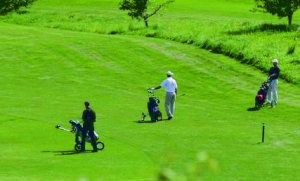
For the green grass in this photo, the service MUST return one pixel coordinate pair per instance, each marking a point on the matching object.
(46, 75)
(221, 26)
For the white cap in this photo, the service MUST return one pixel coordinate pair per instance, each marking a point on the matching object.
(275, 61)
(169, 73)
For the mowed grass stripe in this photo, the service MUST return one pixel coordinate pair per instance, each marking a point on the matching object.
(46, 77)
(222, 26)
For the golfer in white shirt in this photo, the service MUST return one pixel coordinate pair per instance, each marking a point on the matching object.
(171, 91)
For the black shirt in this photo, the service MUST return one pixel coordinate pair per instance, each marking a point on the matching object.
(274, 70)
(88, 116)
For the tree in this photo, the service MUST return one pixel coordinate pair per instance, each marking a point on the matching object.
(281, 8)
(139, 9)
(7, 6)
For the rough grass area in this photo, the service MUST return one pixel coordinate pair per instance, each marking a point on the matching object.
(221, 26)
(46, 75)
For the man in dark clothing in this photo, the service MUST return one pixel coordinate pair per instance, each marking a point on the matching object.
(272, 96)
(88, 117)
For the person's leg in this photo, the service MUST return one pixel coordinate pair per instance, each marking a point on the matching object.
(274, 91)
(173, 99)
(93, 139)
(167, 105)
(83, 139)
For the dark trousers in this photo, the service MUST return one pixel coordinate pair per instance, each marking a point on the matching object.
(88, 129)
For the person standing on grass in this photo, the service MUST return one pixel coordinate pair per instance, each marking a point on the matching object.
(272, 96)
(171, 91)
(88, 117)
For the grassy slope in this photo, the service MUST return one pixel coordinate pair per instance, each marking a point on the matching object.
(47, 75)
(207, 24)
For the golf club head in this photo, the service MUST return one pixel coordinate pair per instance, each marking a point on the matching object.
(151, 91)
(58, 126)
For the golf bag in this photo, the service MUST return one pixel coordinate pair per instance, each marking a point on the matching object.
(262, 94)
(153, 107)
(77, 129)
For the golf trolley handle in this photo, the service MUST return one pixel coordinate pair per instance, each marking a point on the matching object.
(269, 79)
(150, 91)
(62, 128)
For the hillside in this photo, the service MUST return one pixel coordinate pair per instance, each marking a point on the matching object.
(46, 74)
(221, 26)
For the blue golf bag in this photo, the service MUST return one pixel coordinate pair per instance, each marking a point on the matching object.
(153, 109)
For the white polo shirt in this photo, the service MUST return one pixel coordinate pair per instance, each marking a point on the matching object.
(169, 84)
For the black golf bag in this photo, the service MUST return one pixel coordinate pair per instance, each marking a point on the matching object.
(262, 94)
(153, 109)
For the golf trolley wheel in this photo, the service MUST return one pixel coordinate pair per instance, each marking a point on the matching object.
(77, 147)
(159, 117)
(258, 106)
(100, 145)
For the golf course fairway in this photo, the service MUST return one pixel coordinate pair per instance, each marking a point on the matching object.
(47, 74)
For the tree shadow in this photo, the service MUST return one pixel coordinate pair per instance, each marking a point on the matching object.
(67, 152)
(295, 62)
(22, 11)
(265, 28)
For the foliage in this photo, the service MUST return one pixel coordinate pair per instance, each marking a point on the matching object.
(203, 164)
(250, 38)
(281, 8)
(291, 49)
(7, 6)
(48, 73)
(138, 9)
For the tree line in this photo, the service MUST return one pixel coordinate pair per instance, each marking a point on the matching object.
(140, 10)
(7, 6)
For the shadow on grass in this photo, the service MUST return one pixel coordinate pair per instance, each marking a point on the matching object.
(295, 62)
(258, 143)
(149, 122)
(252, 109)
(265, 28)
(67, 152)
(22, 11)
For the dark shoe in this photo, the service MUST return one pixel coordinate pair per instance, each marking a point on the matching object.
(170, 118)
(273, 104)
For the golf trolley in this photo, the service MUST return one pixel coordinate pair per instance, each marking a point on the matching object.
(153, 108)
(77, 129)
(261, 96)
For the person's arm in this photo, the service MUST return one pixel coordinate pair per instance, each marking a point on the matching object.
(276, 72)
(153, 89)
(158, 87)
(83, 115)
(94, 114)
(176, 87)
(272, 75)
